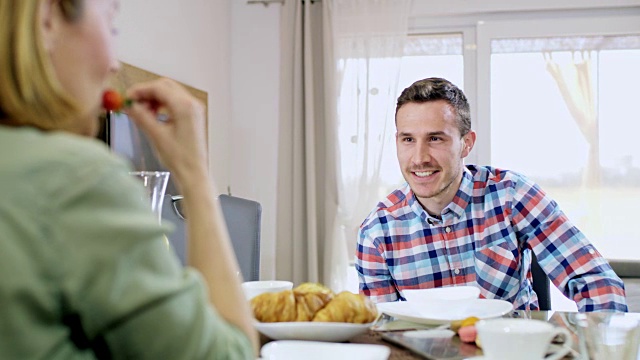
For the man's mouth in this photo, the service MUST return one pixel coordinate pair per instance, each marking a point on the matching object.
(424, 173)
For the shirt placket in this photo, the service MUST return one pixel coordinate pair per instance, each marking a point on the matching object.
(451, 244)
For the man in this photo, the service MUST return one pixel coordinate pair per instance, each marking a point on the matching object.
(452, 224)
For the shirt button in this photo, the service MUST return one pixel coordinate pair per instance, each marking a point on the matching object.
(448, 229)
(456, 271)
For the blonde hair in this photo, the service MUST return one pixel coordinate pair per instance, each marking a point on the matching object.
(30, 93)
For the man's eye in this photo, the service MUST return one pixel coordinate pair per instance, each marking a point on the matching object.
(407, 140)
(434, 138)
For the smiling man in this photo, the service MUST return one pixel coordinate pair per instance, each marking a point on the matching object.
(452, 224)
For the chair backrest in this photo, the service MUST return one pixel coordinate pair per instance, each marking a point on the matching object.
(625, 268)
(243, 220)
(541, 284)
(629, 272)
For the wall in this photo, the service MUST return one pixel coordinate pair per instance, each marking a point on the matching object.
(255, 94)
(188, 41)
(205, 44)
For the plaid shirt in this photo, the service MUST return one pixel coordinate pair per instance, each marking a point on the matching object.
(485, 239)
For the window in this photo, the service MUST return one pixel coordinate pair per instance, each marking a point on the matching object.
(530, 115)
(433, 55)
(570, 99)
(559, 109)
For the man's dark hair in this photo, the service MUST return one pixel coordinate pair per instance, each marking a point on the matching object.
(433, 89)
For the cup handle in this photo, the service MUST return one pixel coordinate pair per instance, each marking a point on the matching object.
(566, 345)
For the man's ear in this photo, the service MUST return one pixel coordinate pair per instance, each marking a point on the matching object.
(468, 141)
(49, 17)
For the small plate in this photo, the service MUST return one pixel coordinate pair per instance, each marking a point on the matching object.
(308, 330)
(481, 308)
(312, 350)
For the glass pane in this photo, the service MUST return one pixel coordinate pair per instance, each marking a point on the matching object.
(438, 55)
(560, 114)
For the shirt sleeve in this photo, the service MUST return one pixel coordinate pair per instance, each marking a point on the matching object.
(569, 259)
(123, 282)
(374, 277)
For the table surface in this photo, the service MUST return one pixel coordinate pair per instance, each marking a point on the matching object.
(562, 319)
(446, 345)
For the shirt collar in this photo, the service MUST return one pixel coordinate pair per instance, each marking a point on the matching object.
(457, 206)
(463, 195)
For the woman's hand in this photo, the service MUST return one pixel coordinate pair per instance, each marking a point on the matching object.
(180, 139)
(180, 144)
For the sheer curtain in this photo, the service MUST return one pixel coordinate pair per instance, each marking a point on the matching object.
(363, 42)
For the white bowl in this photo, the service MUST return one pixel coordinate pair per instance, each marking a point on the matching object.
(254, 288)
(452, 299)
(451, 293)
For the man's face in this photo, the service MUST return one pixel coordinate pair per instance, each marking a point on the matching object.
(431, 151)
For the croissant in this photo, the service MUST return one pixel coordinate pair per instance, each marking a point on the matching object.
(311, 297)
(275, 307)
(299, 304)
(348, 307)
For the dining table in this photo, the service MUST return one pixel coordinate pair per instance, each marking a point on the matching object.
(452, 348)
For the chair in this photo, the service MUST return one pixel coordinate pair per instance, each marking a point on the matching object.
(629, 272)
(625, 268)
(243, 220)
(541, 284)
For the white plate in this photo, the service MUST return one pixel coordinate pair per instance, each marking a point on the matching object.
(481, 308)
(307, 330)
(312, 350)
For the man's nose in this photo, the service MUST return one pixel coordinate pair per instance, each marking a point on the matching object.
(421, 154)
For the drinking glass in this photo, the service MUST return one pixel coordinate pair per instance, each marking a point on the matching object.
(155, 184)
(606, 336)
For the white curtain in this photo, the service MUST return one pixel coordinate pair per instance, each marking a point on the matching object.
(363, 44)
(575, 82)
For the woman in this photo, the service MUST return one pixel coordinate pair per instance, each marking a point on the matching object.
(85, 272)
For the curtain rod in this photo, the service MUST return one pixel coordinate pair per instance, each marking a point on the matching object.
(265, 2)
(269, 2)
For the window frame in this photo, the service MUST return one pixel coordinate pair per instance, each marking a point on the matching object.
(561, 26)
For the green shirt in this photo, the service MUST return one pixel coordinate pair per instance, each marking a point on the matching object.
(85, 270)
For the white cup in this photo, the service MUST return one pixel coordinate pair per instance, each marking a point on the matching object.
(254, 288)
(522, 339)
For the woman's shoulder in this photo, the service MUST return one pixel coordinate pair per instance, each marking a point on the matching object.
(50, 161)
(55, 149)
(79, 150)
